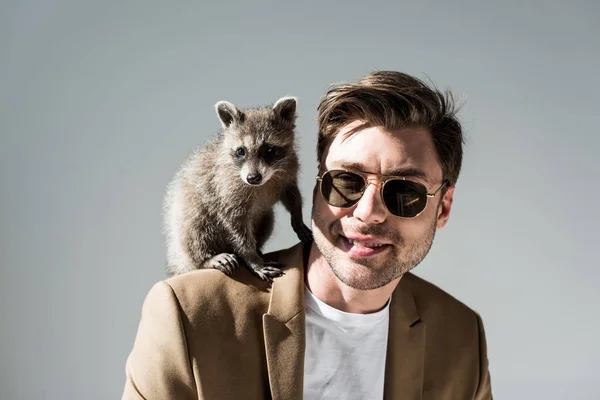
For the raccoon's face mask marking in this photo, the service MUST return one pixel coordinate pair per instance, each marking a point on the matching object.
(254, 168)
(271, 154)
(257, 166)
(246, 161)
(259, 141)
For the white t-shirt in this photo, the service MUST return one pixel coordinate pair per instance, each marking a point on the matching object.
(345, 353)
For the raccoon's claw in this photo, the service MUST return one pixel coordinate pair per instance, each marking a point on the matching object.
(268, 271)
(303, 232)
(267, 276)
(224, 262)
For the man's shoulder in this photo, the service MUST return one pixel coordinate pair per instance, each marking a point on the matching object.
(455, 338)
(210, 292)
(434, 304)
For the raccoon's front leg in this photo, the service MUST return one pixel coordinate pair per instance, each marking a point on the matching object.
(292, 201)
(265, 269)
(224, 262)
(245, 246)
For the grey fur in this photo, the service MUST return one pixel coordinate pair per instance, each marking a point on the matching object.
(215, 219)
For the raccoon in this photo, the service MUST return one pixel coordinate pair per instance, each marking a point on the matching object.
(218, 208)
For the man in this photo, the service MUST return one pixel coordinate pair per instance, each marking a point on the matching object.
(347, 320)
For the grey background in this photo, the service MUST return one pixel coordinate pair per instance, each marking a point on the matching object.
(101, 101)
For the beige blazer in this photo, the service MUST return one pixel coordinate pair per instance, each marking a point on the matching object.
(203, 335)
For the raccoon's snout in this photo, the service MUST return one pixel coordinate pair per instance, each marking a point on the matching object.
(254, 175)
(254, 178)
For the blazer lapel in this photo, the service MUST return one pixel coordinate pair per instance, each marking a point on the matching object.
(283, 327)
(406, 346)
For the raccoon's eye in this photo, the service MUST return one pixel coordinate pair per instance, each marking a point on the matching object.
(270, 153)
(240, 152)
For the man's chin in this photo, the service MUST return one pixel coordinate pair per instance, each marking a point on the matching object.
(361, 277)
(362, 273)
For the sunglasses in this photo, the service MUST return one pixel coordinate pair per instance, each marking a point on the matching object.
(402, 197)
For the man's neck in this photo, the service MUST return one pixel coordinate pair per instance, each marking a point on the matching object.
(322, 282)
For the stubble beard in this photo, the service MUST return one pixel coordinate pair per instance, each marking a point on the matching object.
(369, 274)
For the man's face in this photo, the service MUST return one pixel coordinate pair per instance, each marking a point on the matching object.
(346, 236)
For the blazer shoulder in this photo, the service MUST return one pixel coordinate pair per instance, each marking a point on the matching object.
(455, 331)
(432, 302)
(242, 290)
(209, 293)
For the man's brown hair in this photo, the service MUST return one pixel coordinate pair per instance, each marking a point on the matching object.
(393, 100)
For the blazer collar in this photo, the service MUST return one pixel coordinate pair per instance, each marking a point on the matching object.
(405, 358)
(284, 328)
(284, 332)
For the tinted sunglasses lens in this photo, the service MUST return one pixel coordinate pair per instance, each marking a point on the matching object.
(341, 188)
(404, 198)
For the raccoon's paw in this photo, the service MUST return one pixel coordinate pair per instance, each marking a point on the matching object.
(268, 271)
(224, 262)
(303, 232)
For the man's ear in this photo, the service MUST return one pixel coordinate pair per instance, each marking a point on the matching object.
(443, 212)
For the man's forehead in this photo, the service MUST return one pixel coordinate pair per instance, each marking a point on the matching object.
(406, 152)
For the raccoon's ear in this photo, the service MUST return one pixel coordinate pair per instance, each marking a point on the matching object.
(285, 108)
(228, 113)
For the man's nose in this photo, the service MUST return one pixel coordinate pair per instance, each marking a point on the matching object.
(370, 208)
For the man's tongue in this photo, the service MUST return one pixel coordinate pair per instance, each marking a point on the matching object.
(362, 249)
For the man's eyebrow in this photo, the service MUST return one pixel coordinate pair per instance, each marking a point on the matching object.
(408, 171)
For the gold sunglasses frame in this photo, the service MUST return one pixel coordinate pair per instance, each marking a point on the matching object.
(383, 179)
